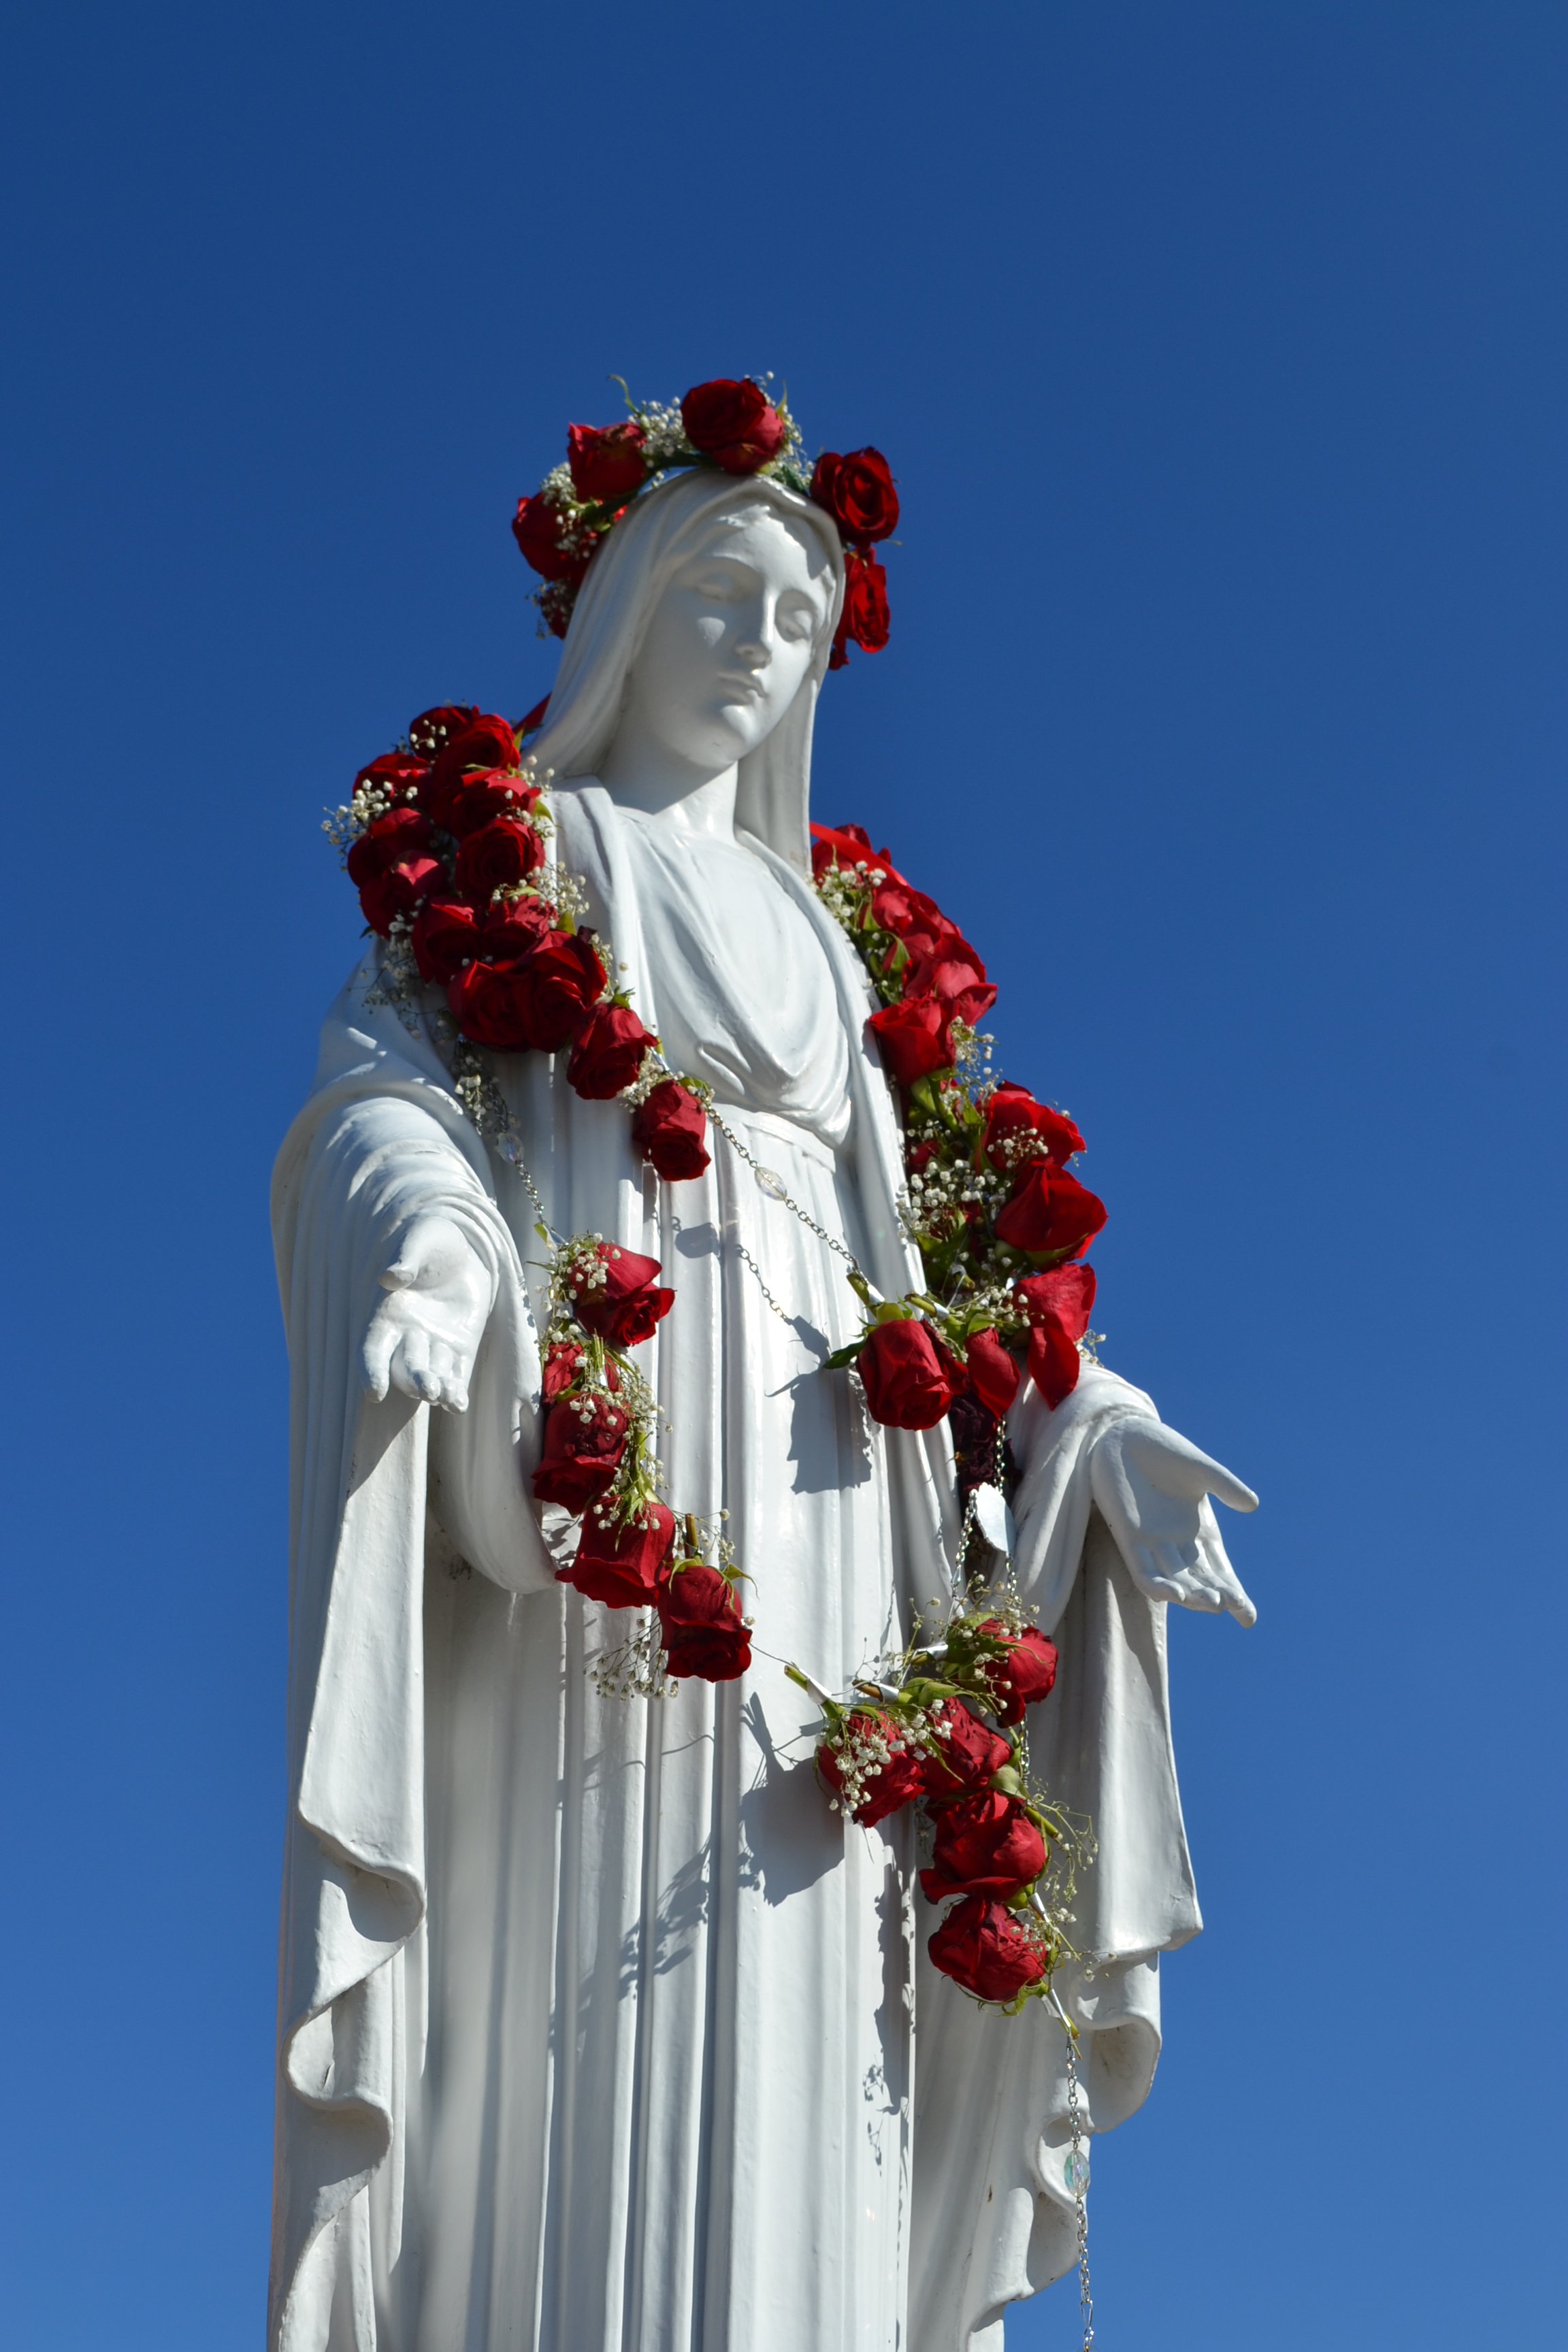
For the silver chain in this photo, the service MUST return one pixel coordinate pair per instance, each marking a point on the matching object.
(1078, 2181)
(773, 1186)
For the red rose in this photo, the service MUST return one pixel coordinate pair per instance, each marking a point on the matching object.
(863, 619)
(619, 1565)
(534, 719)
(843, 845)
(394, 771)
(445, 937)
(563, 1362)
(986, 1948)
(912, 917)
(1051, 1215)
(434, 728)
(484, 746)
(390, 840)
(857, 491)
(733, 423)
(1016, 1126)
(585, 1437)
(1058, 1304)
(914, 1040)
(609, 1051)
(501, 854)
(492, 1005)
(549, 541)
(992, 1373)
(669, 1130)
(399, 891)
(560, 981)
(620, 1299)
(1027, 1673)
(911, 1375)
(510, 928)
(965, 1754)
(956, 978)
(483, 797)
(984, 1845)
(699, 1619)
(900, 1778)
(606, 461)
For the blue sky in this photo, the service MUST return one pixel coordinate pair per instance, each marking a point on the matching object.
(1220, 353)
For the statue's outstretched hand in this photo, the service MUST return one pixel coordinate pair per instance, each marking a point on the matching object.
(1154, 1489)
(426, 1333)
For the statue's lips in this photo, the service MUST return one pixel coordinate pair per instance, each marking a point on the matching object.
(748, 689)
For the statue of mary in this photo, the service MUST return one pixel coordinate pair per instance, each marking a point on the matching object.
(599, 2032)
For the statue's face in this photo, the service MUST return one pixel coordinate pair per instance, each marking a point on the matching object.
(729, 640)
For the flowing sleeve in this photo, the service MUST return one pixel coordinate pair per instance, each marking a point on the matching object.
(381, 1140)
(995, 2219)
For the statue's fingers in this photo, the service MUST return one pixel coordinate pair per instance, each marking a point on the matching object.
(1174, 1463)
(411, 1365)
(376, 1356)
(1226, 1583)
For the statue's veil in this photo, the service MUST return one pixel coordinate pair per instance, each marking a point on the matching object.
(611, 612)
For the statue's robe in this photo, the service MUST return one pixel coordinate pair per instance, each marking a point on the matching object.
(599, 2032)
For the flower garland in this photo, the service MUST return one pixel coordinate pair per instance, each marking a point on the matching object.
(730, 426)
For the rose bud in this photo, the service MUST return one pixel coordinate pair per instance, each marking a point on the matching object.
(1027, 1673)
(548, 541)
(1019, 1130)
(483, 797)
(914, 1040)
(955, 978)
(390, 840)
(911, 916)
(986, 1948)
(984, 1845)
(492, 1005)
(510, 928)
(606, 461)
(501, 853)
(700, 1623)
(910, 1375)
(399, 891)
(621, 1300)
(1058, 1304)
(394, 771)
(964, 1754)
(445, 937)
(992, 1373)
(585, 1437)
(564, 1362)
(865, 617)
(433, 729)
(733, 421)
(619, 1564)
(900, 1779)
(1051, 1215)
(487, 743)
(560, 980)
(843, 845)
(857, 491)
(669, 1130)
(609, 1051)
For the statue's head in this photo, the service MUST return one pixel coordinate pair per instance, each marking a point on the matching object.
(707, 619)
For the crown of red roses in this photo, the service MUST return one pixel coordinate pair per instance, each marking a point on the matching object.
(730, 425)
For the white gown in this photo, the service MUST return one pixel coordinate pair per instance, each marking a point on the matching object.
(599, 2029)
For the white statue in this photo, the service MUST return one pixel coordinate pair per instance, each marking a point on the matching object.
(598, 2028)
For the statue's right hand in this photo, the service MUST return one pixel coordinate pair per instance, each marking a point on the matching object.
(426, 1333)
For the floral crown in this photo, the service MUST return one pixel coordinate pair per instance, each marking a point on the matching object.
(732, 426)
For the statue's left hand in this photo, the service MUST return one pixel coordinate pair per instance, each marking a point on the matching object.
(1154, 1489)
(426, 1333)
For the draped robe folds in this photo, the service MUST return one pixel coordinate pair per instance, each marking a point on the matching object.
(598, 2031)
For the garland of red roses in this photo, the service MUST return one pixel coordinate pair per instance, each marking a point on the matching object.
(448, 840)
(728, 424)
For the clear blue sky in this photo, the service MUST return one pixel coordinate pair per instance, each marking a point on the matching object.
(1220, 352)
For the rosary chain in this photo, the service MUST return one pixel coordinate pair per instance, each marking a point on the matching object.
(1080, 2194)
(735, 1144)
